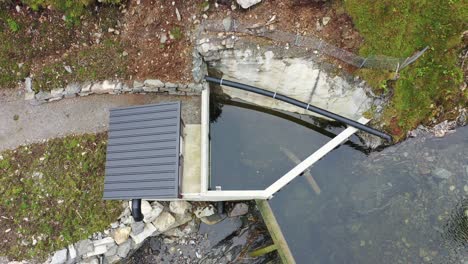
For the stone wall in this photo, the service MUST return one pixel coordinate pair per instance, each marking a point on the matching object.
(125, 236)
(304, 76)
(111, 87)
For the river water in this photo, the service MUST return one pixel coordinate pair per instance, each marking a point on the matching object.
(405, 204)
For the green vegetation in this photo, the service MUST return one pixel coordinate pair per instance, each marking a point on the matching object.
(176, 33)
(428, 88)
(73, 9)
(99, 62)
(11, 33)
(44, 49)
(52, 195)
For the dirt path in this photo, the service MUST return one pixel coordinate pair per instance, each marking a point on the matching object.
(23, 123)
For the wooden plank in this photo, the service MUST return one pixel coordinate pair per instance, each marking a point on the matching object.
(275, 231)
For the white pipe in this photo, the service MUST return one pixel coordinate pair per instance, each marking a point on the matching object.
(317, 155)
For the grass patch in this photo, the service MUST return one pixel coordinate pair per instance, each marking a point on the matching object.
(430, 87)
(98, 62)
(52, 194)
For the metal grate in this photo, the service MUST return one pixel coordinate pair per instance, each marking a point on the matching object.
(143, 152)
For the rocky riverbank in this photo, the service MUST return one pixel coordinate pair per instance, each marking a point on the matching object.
(172, 232)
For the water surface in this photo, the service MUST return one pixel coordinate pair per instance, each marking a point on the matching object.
(405, 204)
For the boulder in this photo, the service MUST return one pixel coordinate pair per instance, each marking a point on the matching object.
(114, 259)
(42, 96)
(105, 241)
(137, 227)
(91, 260)
(86, 89)
(205, 211)
(247, 3)
(154, 83)
(59, 257)
(164, 221)
(239, 209)
(212, 219)
(103, 87)
(28, 84)
(148, 231)
(83, 247)
(179, 207)
(124, 249)
(217, 233)
(72, 254)
(98, 250)
(151, 211)
(72, 90)
(121, 235)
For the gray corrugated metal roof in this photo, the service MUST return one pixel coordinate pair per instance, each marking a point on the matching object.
(143, 152)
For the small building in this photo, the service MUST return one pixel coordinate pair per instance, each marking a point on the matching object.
(144, 152)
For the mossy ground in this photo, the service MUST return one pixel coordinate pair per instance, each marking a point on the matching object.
(41, 44)
(429, 88)
(52, 193)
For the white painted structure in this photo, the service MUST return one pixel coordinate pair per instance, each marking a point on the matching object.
(268, 193)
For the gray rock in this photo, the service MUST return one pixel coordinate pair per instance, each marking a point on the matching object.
(111, 251)
(57, 92)
(163, 38)
(212, 219)
(72, 90)
(174, 232)
(42, 96)
(86, 89)
(155, 243)
(150, 211)
(137, 84)
(154, 83)
(204, 211)
(137, 227)
(28, 84)
(124, 249)
(105, 241)
(148, 231)
(247, 3)
(83, 247)
(170, 85)
(92, 260)
(72, 254)
(179, 18)
(103, 87)
(217, 233)
(179, 207)
(98, 250)
(227, 22)
(59, 257)
(239, 209)
(113, 259)
(442, 173)
(164, 221)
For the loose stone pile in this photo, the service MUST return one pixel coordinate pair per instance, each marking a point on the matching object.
(174, 219)
(111, 87)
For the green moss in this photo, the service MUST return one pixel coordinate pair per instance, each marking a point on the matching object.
(52, 193)
(400, 27)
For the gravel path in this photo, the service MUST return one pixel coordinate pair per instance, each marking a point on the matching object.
(22, 122)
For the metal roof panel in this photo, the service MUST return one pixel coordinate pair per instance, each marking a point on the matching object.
(143, 152)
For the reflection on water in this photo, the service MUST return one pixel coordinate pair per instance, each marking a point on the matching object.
(404, 204)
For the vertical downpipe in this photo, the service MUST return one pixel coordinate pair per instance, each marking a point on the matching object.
(136, 210)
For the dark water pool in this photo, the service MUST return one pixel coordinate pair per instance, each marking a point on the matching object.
(405, 204)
